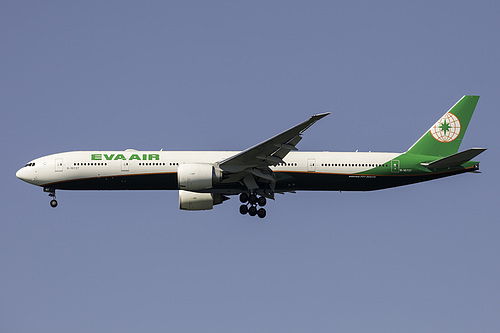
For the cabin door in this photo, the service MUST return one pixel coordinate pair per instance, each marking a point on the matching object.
(395, 166)
(311, 165)
(59, 164)
(125, 165)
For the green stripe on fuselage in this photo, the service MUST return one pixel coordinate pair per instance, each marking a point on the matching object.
(411, 164)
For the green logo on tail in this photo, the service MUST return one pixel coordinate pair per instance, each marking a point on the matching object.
(447, 128)
(444, 138)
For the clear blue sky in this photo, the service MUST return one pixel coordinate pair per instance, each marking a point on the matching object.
(225, 75)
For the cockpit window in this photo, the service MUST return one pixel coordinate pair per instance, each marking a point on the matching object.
(30, 164)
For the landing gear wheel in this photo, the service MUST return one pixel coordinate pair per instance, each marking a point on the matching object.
(262, 213)
(243, 209)
(252, 199)
(243, 197)
(262, 201)
(52, 194)
(252, 211)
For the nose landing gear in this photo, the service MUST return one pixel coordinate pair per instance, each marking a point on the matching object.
(52, 194)
(250, 203)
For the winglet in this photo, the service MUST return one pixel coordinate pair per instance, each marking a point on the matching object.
(321, 115)
(314, 119)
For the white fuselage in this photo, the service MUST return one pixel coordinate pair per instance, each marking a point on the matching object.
(69, 166)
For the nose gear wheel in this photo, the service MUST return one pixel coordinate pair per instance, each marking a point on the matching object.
(52, 194)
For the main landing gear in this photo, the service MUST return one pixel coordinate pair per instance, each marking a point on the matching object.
(52, 194)
(250, 203)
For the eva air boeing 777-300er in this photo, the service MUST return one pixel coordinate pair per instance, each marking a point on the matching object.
(207, 178)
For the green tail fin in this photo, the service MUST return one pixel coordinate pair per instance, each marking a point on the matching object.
(445, 136)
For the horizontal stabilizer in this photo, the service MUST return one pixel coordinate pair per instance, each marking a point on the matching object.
(455, 159)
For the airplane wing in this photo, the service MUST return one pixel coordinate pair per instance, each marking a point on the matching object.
(253, 163)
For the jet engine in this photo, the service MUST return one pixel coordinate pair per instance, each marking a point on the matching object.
(199, 201)
(193, 177)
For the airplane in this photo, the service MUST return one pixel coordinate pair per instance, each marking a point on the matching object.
(208, 178)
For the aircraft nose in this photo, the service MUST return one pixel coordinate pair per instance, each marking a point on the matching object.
(23, 174)
(19, 174)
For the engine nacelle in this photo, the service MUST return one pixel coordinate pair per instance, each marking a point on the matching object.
(199, 201)
(193, 177)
